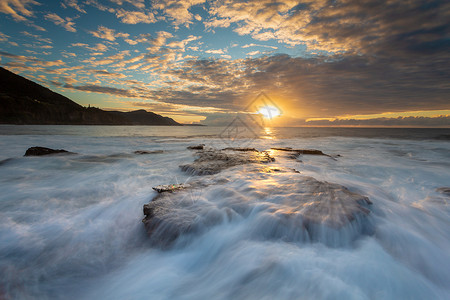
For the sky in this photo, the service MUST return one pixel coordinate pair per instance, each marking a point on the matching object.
(322, 63)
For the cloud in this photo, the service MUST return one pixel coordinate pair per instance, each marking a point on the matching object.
(34, 61)
(105, 73)
(17, 8)
(79, 45)
(412, 121)
(138, 3)
(91, 88)
(37, 37)
(123, 63)
(97, 48)
(159, 41)
(135, 17)
(74, 4)
(108, 34)
(4, 37)
(182, 44)
(254, 53)
(215, 51)
(349, 25)
(259, 45)
(99, 6)
(66, 23)
(142, 38)
(178, 10)
(108, 60)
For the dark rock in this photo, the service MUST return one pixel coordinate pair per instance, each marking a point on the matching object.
(143, 152)
(295, 153)
(301, 151)
(241, 149)
(5, 161)
(39, 151)
(444, 190)
(197, 147)
(213, 161)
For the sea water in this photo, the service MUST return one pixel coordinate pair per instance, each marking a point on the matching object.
(70, 226)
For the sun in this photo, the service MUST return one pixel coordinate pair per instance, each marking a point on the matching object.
(269, 112)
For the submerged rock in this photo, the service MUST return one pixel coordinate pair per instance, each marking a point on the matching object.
(278, 204)
(170, 187)
(298, 152)
(167, 217)
(197, 147)
(241, 149)
(39, 151)
(212, 161)
(143, 152)
(444, 190)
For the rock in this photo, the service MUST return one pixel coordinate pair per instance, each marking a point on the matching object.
(5, 161)
(301, 151)
(169, 217)
(170, 187)
(241, 149)
(197, 147)
(278, 202)
(213, 161)
(444, 190)
(143, 152)
(39, 151)
(295, 208)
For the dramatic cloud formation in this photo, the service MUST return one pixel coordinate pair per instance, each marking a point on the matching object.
(322, 62)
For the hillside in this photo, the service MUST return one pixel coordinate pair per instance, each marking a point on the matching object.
(25, 102)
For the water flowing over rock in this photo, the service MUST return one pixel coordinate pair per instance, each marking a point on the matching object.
(212, 161)
(197, 147)
(144, 152)
(39, 151)
(170, 187)
(444, 190)
(276, 201)
(295, 153)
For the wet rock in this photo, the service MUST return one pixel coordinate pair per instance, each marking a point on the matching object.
(169, 217)
(144, 152)
(40, 151)
(170, 187)
(4, 162)
(444, 190)
(330, 204)
(278, 202)
(213, 161)
(298, 152)
(241, 149)
(197, 147)
(294, 209)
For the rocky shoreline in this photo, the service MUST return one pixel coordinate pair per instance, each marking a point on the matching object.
(287, 204)
(314, 211)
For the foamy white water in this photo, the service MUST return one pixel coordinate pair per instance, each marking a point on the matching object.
(70, 226)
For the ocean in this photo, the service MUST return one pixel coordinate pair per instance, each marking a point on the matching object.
(70, 225)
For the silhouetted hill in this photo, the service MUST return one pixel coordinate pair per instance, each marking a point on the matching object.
(25, 102)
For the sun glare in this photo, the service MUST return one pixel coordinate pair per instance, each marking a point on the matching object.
(269, 112)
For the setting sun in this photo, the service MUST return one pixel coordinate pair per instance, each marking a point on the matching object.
(269, 112)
